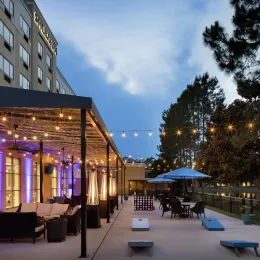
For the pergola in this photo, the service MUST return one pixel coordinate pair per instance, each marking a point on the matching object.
(45, 122)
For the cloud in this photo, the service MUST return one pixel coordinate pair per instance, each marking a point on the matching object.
(141, 45)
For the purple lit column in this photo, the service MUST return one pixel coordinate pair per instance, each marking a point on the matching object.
(26, 180)
(2, 179)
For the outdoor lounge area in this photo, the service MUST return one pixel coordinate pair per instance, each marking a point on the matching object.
(173, 239)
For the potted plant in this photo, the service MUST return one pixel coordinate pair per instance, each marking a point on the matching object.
(247, 218)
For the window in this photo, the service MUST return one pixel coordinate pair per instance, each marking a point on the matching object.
(48, 83)
(8, 36)
(13, 176)
(40, 50)
(24, 82)
(54, 182)
(39, 75)
(64, 180)
(48, 60)
(58, 86)
(62, 90)
(9, 5)
(7, 67)
(25, 56)
(25, 27)
(36, 182)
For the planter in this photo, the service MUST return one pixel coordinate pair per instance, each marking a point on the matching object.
(248, 219)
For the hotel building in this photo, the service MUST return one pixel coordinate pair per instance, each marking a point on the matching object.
(28, 60)
(28, 49)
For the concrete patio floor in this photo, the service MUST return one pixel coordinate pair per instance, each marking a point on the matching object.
(173, 239)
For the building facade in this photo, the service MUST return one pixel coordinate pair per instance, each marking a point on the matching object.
(28, 49)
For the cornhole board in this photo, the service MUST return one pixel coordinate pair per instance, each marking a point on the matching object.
(212, 224)
(140, 243)
(240, 244)
(140, 224)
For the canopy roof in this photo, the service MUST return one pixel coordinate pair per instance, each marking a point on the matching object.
(184, 173)
(20, 106)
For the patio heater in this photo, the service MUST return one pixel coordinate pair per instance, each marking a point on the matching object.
(93, 219)
(112, 194)
(103, 196)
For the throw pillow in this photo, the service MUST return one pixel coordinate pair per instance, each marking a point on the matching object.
(29, 207)
(44, 209)
(59, 209)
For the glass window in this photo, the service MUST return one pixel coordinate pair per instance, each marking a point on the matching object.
(8, 68)
(62, 90)
(8, 36)
(24, 83)
(39, 73)
(48, 83)
(13, 179)
(1, 28)
(36, 182)
(24, 55)
(9, 5)
(48, 60)
(54, 182)
(25, 27)
(58, 86)
(40, 49)
(1, 62)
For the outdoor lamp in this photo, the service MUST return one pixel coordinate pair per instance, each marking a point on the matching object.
(110, 185)
(103, 192)
(93, 201)
(93, 188)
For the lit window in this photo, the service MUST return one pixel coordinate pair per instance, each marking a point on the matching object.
(24, 83)
(39, 73)
(8, 68)
(25, 56)
(25, 27)
(9, 5)
(48, 60)
(6, 33)
(40, 50)
(48, 83)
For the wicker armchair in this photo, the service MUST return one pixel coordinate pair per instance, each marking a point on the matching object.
(199, 208)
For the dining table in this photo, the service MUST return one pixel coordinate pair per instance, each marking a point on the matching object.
(187, 206)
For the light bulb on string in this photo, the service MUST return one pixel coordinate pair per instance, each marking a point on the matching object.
(111, 134)
(70, 116)
(163, 133)
(34, 137)
(4, 118)
(3, 140)
(57, 126)
(212, 130)
(135, 134)
(9, 132)
(150, 133)
(123, 134)
(24, 138)
(16, 136)
(250, 125)
(61, 114)
(33, 117)
(9, 153)
(230, 127)
(178, 132)
(194, 131)
(46, 134)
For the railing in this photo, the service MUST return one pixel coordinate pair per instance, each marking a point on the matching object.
(229, 204)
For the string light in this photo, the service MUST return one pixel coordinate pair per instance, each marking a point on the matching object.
(123, 134)
(194, 131)
(250, 125)
(48, 154)
(9, 132)
(34, 137)
(10, 153)
(16, 135)
(230, 127)
(212, 130)
(135, 134)
(3, 140)
(129, 155)
(24, 154)
(178, 132)
(36, 154)
(150, 133)
(24, 138)
(46, 134)
(163, 133)
(61, 114)
(111, 134)
(33, 117)
(4, 118)
(57, 126)
(70, 116)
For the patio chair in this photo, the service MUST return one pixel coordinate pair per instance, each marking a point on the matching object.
(165, 208)
(198, 209)
(176, 209)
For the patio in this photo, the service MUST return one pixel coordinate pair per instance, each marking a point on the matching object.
(173, 238)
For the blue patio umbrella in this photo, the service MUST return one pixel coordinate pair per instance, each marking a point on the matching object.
(184, 173)
(161, 180)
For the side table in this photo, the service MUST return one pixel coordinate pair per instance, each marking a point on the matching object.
(56, 229)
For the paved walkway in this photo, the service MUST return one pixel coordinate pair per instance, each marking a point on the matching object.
(173, 238)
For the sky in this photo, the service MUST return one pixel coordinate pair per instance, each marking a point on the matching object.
(135, 57)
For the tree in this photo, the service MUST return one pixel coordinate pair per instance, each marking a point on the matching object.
(238, 54)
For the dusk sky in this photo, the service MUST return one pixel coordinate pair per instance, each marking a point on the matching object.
(135, 57)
